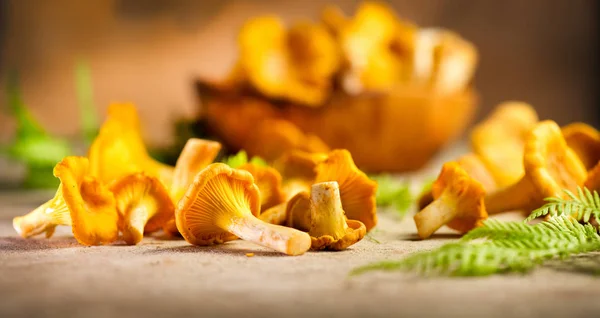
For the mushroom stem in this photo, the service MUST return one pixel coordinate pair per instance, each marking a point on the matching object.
(133, 227)
(44, 218)
(439, 212)
(280, 238)
(512, 198)
(326, 213)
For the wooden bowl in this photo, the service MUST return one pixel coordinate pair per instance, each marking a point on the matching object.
(394, 132)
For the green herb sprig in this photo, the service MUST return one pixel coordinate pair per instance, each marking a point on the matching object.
(235, 161)
(582, 206)
(499, 247)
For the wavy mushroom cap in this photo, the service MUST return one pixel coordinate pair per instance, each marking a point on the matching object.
(474, 167)
(44, 218)
(585, 142)
(356, 189)
(119, 150)
(92, 208)
(295, 65)
(459, 202)
(196, 155)
(500, 139)
(216, 197)
(369, 41)
(329, 227)
(298, 212)
(298, 169)
(550, 164)
(443, 60)
(268, 181)
(144, 205)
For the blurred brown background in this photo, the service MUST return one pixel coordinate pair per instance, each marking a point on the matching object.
(540, 51)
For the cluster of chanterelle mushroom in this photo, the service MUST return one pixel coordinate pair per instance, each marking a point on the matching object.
(516, 162)
(118, 192)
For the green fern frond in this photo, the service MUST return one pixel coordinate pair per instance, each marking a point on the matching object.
(240, 158)
(582, 206)
(499, 247)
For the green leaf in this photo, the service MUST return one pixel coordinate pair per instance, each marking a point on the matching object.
(499, 247)
(391, 193)
(241, 158)
(582, 206)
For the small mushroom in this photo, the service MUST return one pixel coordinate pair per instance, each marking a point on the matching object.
(550, 167)
(474, 167)
(443, 60)
(368, 41)
(196, 155)
(459, 203)
(298, 212)
(144, 206)
(298, 170)
(295, 64)
(94, 217)
(356, 189)
(80, 201)
(585, 142)
(268, 181)
(329, 227)
(222, 203)
(44, 219)
(119, 150)
(499, 140)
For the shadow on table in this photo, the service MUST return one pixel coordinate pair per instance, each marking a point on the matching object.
(222, 249)
(435, 236)
(12, 243)
(585, 264)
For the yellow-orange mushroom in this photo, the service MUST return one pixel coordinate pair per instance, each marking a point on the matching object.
(144, 206)
(329, 227)
(119, 150)
(221, 205)
(356, 189)
(459, 203)
(268, 181)
(585, 142)
(499, 141)
(80, 201)
(550, 167)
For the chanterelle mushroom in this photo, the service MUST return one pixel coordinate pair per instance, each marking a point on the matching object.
(329, 227)
(268, 181)
(81, 201)
(499, 140)
(144, 206)
(356, 189)
(475, 168)
(295, 65)
(550, 167)
(196, 155)
(585, 142)
(298, 169)
(458, 204)
(119, 150)
(44, 219)
(221, 204)
(298, 212)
